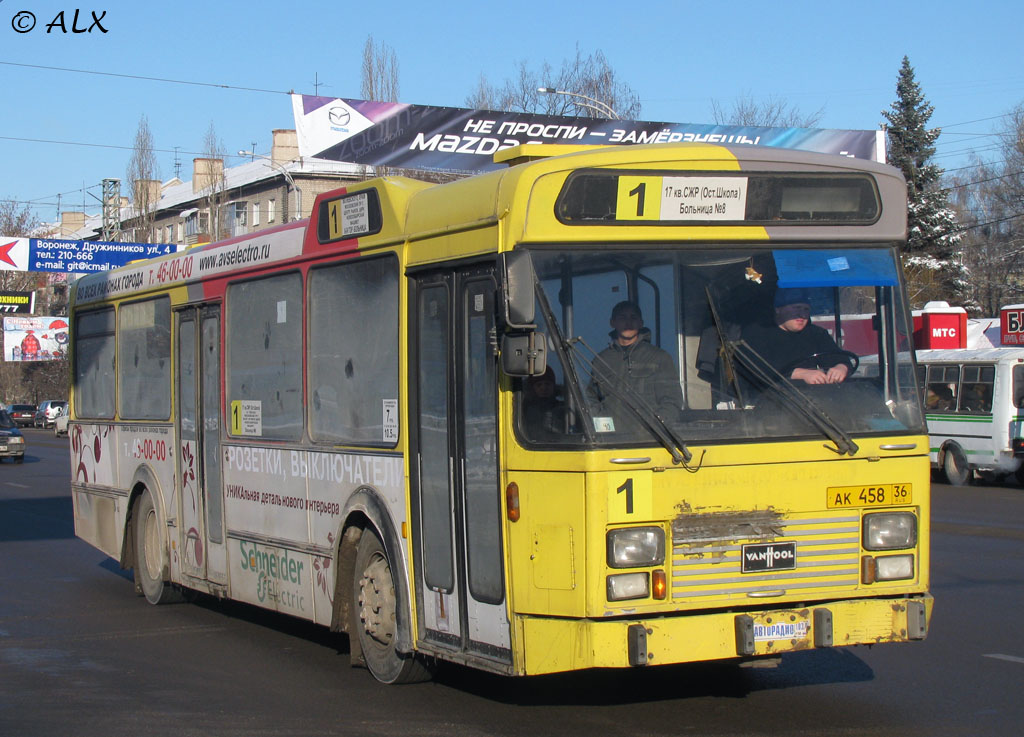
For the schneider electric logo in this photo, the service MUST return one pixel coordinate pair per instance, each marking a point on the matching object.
(74, 20)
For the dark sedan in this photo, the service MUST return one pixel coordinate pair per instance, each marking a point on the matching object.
(12, 443)
(22, 414)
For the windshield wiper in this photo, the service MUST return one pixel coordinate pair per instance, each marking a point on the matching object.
(572, 379)
(725, 349)
(767, 374)
(764, 372)
(635, 402)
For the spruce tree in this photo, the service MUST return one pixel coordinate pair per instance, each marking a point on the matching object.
(932, 258)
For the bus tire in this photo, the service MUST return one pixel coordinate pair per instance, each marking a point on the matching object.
(954, 464)
(375, 616)
(151, 554)
(1019, 474)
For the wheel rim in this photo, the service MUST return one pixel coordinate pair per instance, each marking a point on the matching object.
(377, 601)
(151, 546)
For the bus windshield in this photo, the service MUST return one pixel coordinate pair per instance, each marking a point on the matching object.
(672, 346)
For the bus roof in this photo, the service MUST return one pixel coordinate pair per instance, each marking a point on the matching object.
(965, 355)
(410, 210)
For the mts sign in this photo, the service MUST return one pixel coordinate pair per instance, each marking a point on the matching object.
(944, 327)
(1011, 325)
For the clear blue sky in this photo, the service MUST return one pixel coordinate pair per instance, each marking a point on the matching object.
(678, 56)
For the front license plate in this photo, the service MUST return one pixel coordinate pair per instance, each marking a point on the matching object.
(780, 631)
(883, 495)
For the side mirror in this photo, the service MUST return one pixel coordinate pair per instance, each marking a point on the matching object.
(524, 354)
(517, 289)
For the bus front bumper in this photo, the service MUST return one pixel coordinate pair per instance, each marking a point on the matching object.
(556, 645)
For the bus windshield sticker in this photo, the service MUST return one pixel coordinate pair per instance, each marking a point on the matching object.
(390, 421)
(247, 417)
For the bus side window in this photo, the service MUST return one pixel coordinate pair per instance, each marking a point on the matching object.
(941, 389)
(976, 389)
(1018, 386)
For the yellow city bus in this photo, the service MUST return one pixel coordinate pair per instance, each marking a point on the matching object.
(393, 420)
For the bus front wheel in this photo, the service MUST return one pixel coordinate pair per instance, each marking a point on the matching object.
(150, 553)
(376, 616)
(954, 463)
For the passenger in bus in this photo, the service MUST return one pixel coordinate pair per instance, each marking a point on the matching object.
(633, 366)
(977, 398)
(804, 352)
(543, 411)
(940, 397)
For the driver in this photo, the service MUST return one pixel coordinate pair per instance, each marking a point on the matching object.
(796, 348)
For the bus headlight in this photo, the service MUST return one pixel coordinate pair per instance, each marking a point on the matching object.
(628, 586)
(894, 567)
(890, 531)
(636, 547)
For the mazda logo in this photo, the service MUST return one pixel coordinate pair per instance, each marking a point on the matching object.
(338, 116)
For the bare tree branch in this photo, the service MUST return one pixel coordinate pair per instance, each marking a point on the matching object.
(142, 171)
(772, 112)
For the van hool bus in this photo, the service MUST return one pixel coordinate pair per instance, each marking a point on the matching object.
(386, 420)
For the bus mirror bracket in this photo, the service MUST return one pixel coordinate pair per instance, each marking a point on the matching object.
(524, 354)
(515, 270)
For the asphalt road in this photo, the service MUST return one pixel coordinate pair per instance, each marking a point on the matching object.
(81, 655)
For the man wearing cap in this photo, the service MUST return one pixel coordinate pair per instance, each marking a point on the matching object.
(790, 345)
(632, 361)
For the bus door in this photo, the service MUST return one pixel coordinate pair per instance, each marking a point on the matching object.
(201, 509)
(456, 522)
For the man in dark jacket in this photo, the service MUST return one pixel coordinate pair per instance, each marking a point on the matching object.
(631, 361)
(795, 347)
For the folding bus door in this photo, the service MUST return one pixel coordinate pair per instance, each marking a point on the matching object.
(199, 424)
(456, 483)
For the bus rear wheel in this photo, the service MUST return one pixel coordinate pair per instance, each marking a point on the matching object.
(150, 554)
(376, 617)
(954, 464)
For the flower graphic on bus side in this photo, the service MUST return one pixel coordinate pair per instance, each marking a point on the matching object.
(193, 548)
(84, 460)
(322, 565)
(188, 473)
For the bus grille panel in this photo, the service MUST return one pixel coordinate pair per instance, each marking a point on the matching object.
(708, 565)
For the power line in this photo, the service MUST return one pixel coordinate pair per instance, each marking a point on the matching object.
(97, 145)
(147, 79)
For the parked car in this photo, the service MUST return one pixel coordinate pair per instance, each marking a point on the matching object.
(22, 414)
(12, 442)
(47, 412)
(60, 422)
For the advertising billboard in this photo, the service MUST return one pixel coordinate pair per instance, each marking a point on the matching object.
(76, 257)
(35, 338)
(465, 140)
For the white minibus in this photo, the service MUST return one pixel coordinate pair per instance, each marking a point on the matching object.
(973, 403)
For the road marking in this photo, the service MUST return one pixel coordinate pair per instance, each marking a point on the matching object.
(1000, 656)
(20, 486)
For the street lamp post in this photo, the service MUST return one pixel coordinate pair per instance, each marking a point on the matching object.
(592, 103)
(287, 177)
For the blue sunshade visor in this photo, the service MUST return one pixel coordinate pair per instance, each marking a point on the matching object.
(845, 267)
